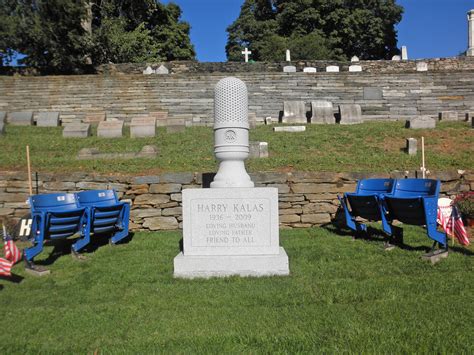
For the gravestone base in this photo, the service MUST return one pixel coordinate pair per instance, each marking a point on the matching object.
(234, 265)
(230, 231)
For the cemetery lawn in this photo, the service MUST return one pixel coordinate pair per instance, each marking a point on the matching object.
(371, 146)
(342, 295)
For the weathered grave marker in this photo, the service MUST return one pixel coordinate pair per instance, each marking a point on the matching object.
(142, 127)
(404, 53)
(332, 69)
(162, 70)
(355, 68)
(258, 150)
(350, 114)
(77, 130)
(47, 119)
(148, 71)
(396, 58)
(289, 69)
(294, 112)
(411, 146)
(288, 55)
(421, 122)
(110, 129)
(176, 125)
(21, 118)
(246, 54)
(448, 116)
(2, 122)
(289, 129)
(94, 118)
(322, 112)
(421, 66)
(354, 59)
(309, 70)
(470, 22)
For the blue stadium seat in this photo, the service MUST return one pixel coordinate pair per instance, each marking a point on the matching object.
(106, 214)
(415, 202)
(364, 202)
(56, 216)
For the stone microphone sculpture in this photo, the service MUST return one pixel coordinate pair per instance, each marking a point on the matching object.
(231, 133)
(232, 228)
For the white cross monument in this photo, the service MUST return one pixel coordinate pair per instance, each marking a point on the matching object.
(246, 53)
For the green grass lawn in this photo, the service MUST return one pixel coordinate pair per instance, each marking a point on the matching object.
(371, 146)
(342, 295)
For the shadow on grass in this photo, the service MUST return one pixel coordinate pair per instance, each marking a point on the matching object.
(16, 279)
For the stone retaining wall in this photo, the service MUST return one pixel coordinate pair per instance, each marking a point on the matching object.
(305, 198)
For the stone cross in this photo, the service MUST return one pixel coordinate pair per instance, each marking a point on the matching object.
(470, 19)
(288, 55)
(246, 53)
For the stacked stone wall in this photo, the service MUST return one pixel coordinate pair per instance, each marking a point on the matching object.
(306, 199)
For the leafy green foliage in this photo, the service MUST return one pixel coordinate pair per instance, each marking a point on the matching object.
(315, 29)
(342, 296)
(66, 35)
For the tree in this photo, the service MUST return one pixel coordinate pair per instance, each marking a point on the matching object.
(316, 29)
(66, 35)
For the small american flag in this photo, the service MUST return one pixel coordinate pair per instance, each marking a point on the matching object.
(12, 255)
(453, 225)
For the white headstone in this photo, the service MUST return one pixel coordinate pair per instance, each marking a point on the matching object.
(355, 68)
(47, 119)
(148, 71)
(421, 122)
(396, 58)
(294, 112)
(162, 70)
(354, 59)
(421, 66)
(77, 130)
(322, 112)
(288, 55)
(231, 228)
(289, 129)
(309, 70)
(350, 114)
(142, 127)
(289, 69)
(404, 53)
(470, 39)
(246, 54)
(110, 129)
(332, 69)
(20, 118)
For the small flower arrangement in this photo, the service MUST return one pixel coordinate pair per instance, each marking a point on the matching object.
(465, 204)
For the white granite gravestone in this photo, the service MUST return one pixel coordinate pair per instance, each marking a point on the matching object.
(411, 146)
(322, 112)
(448, 115)
(21, 118)
(258, 150)
(110, 129)
(350, 114)
(289, 69)
(294, 112)
(94, 118)
(149, 70)
(355, 68)
(47, 119)
(354, 59)
(246, 54)
(332, 69)
(404, 53)
(309, 70)
(289, 129)
(231, 228)
(288, 55)
(77, 130)
(142, 127)
(396, 58)
(162, 70)
(421, 66)
(421, 122)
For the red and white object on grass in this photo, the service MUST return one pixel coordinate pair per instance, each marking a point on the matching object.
(450, 219)
(12, 255)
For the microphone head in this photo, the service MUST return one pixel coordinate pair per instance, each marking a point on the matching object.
(231, 104)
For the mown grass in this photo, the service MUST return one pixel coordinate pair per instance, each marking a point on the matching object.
(372, 146)
(342, 295)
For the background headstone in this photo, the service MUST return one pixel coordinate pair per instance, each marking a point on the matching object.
(288, 55)
(162, 70)
(411, 146)
(309, 70)
(421, 122)
(2, 122)
(149, 70)
(421, 66)
(176, 125)
(396, 58)
(448, 116)
(290, 129)
(77, 130)
(21, 118)
(355, 68)
(294, 112)
(469, 115)
(252, 120)
(289, 69)
(258, 150)
(161, 118)
(47, 119)
(110, 129)
(371, 93)
(350, 114)
(332, 69)
(268, 120)
(142, 127)
(354, 59)
(470, 33)
(94, 118)
(322, 112)
(404, 53)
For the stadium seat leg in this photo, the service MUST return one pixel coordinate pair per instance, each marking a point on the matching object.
(76, 255)
(33, 269)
